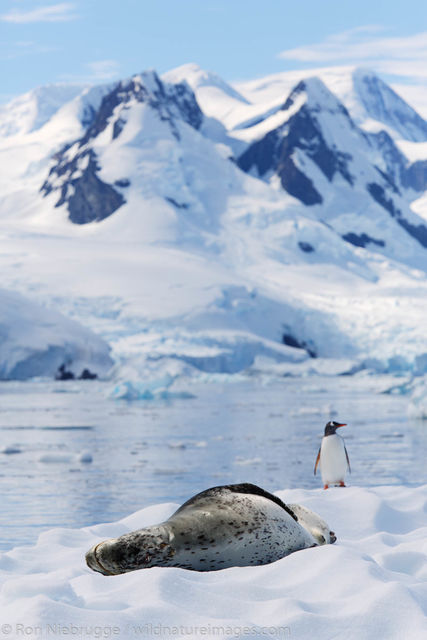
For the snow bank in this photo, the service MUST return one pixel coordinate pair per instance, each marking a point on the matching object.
(371, 584)
(35, 341)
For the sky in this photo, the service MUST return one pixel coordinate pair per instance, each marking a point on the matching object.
(94, 41)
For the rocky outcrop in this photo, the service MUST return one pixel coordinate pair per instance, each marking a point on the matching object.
(170, 101)
(86, 196)
(75, 174)
(415, 176)
(277, 152)
(362, 239)
(417, 231)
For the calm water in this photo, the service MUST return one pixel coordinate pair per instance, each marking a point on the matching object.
(145, 453)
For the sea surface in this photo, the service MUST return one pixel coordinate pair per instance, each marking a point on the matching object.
(70, 456)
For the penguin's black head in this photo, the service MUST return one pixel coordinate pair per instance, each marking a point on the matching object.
(331, 427)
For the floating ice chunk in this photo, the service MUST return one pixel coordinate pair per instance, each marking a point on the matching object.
(402, 387)
(244, 462)
(85, 457)
(141, 389)
(58, 457)
(10, 449)
(326, 410)
(417, 407)
(155, 389)
(177, 445)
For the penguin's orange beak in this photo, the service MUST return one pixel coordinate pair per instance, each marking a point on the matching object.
(344, 424)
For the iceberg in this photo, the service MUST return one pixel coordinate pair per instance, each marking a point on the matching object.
(417, 407)
(37, 341)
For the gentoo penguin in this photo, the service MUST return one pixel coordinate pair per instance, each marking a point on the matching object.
(226, 526)
(332, 457)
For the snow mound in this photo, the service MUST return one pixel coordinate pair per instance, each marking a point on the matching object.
(35, 341)
(371, 584)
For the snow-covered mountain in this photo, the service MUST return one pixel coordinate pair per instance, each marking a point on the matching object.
(379, 103)
(373, 104)
(197, 226)
(320, 156)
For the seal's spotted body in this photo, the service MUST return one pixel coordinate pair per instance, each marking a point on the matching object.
(228, 526)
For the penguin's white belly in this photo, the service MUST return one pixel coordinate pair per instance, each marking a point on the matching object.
(333, 461)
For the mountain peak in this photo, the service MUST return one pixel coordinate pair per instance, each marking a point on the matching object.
(215, 96)
(384, 105)
(120, 119)
(30, 111)
(198, 78)
(318, 96)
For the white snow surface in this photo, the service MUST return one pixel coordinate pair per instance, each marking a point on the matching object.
(372, 583)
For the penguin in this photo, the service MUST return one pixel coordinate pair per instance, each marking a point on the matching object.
(332, 457)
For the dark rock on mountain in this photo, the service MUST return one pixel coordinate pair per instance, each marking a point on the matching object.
(319, 134)
(88, 198)
(178, 205)
(75, 174)
(379, 195)
(306, 247)
(276, 151)
(64, 374)
(123, 183)
(362, 240)
(87, 374)
(417, 231)
(296, 183)
(394, 162)
(291, 341)
(396, 166)
(170, 101)
(415, 176)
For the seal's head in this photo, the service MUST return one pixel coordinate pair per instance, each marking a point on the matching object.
(94, 562)
(141, 549)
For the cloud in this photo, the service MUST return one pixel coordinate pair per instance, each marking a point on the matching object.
(62, 12)
(403, 56)
(98, 71)
(103, 69)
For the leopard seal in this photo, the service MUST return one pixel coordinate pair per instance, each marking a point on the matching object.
(225, 526)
